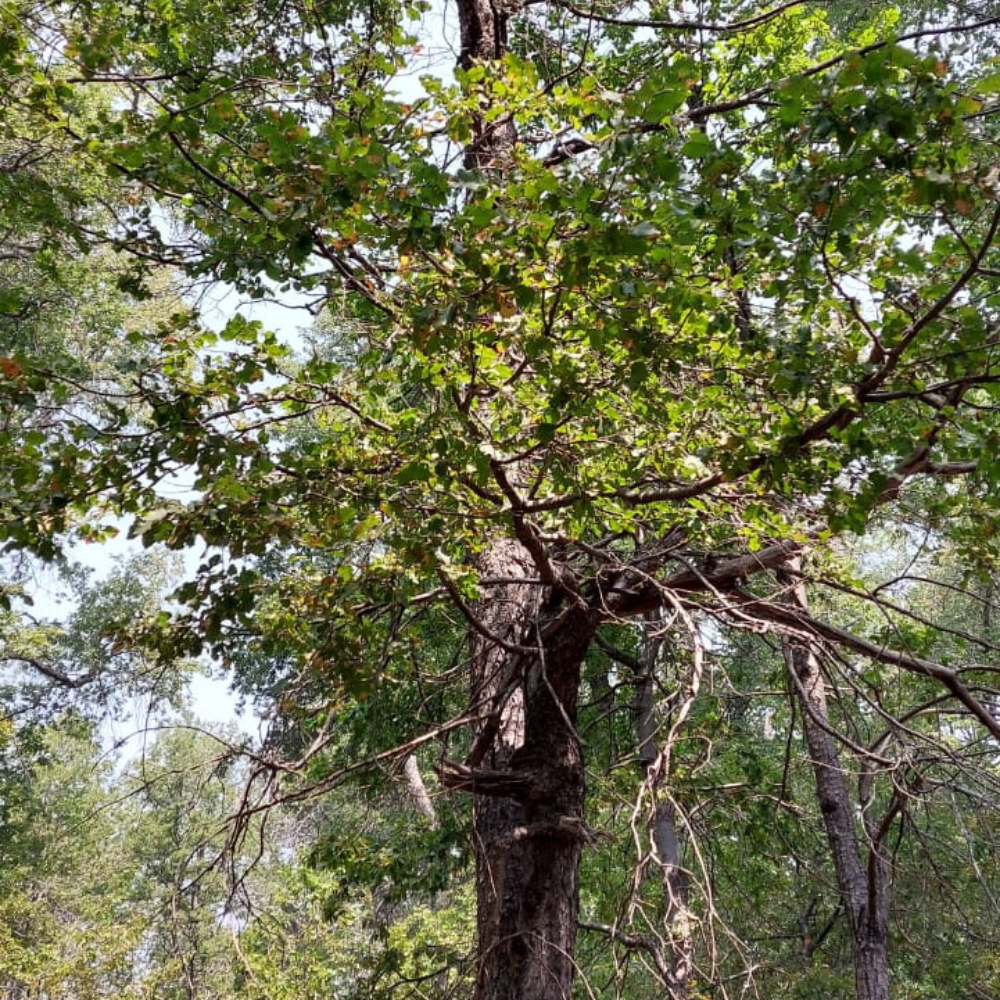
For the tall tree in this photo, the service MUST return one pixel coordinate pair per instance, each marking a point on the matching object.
(639, 308)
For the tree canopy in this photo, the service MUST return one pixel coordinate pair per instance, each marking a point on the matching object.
(648, 393)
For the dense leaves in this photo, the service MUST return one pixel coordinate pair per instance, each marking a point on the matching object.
(699, 312)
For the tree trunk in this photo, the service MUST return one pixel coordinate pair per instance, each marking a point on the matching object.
(528, 783)
(528, 810)
(677, 961)
(483, 29)
(417, 790)
(864, 891)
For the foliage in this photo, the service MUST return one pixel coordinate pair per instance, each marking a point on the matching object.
(56, 934)
(727, 296)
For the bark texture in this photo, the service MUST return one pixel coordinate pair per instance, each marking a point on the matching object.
(483, 31)
(527, 778)
(864, 888)
(526, 769)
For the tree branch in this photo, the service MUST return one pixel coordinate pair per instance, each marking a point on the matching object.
(685, 26)
(781, 615)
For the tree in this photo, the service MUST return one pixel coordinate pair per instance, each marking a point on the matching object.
(642, 313)
(71, 340)
(64, 923)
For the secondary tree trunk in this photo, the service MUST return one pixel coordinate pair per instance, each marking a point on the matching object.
(419, 796)
(864, 889)
(676, 963)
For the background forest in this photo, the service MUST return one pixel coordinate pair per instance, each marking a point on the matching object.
(604, 528)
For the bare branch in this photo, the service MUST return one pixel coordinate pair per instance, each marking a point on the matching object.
(804, 623)
(681, 26)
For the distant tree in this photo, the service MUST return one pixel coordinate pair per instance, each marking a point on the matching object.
(64, 873)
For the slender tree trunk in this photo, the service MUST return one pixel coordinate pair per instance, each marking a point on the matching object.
(417, 790)
(864, 889)
(677, 962)
(528, 783)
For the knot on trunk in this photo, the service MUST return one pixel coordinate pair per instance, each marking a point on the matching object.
(560, 828)
(482, 781)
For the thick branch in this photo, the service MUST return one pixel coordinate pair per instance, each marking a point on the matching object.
(721, 575)
(482, 781)
(52, 672)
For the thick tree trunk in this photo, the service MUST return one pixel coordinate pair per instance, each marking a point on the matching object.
(528, 783)
(526, 770)
(864, 889)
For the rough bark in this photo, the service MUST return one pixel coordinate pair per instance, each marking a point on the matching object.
(864, 888)
(526, 769)
(483, 30)
(500, 864)
(527, 781)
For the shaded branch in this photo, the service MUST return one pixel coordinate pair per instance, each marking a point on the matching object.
(49, 670)
(482, 781)
(800, 621)
(684, 26)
